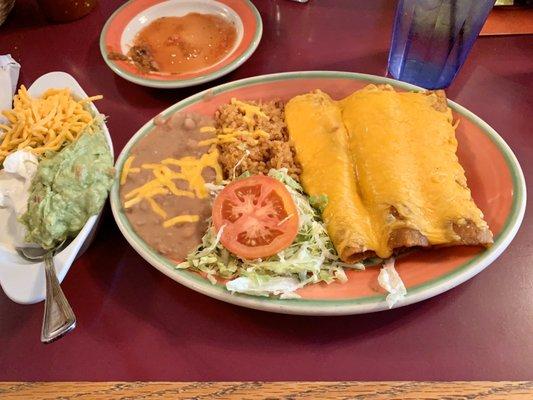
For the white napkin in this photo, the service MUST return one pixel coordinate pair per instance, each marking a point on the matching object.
(9, 76)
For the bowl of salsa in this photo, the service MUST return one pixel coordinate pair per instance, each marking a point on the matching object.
(173, 44)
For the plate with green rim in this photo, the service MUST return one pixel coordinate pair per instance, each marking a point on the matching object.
(493, 173)
(121, 28)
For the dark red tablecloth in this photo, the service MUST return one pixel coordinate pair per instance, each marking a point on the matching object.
(137, 324)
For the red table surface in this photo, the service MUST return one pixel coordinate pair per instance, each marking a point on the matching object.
(136, 324)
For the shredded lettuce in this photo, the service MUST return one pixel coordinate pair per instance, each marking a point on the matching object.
(390, 280)
(319, 202)
(311, 258)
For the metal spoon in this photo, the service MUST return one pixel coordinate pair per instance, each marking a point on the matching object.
(59, 319)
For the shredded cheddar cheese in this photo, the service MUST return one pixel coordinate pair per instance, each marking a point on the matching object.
(156, 208)
(45, 123)
(208, 142)
(127, 169)
(163, 182)
(230, 135)
(180, 219)
(205, 129)
(191, 170)
(250, 111)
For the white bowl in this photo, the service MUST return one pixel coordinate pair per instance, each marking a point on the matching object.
(24, 282)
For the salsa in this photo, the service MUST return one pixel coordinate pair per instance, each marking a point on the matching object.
(184, 44)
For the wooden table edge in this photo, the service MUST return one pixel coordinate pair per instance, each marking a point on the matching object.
(268, 390)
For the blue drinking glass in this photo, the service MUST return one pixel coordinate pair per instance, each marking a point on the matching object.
(431, 39)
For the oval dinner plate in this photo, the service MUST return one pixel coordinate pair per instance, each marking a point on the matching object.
(24, 282)
(493, 174)
(120, 30)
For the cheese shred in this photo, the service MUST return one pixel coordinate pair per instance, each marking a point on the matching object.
(43, 124)
(180, 219)
(164, 180)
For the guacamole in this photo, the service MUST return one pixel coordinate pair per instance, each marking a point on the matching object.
(68, 188)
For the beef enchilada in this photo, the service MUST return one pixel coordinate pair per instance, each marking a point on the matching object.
(408, 187)
(321, 141)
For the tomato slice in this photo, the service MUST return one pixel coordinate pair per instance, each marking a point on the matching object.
(258, 215)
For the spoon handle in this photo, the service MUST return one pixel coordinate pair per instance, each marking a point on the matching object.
(58, 316)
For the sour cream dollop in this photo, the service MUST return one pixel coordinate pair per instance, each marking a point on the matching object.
(15, 180)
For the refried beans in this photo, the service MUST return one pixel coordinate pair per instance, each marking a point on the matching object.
(163, 183)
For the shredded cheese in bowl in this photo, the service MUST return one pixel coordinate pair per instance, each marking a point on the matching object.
(43, 124)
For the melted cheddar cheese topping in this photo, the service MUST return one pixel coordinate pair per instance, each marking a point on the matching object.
(321, 142)
(408, 161)
(387, 162)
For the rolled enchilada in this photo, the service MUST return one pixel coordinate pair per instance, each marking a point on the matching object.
(404, 150)
(406, 187)
(321, 142)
